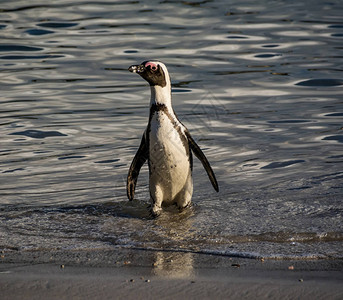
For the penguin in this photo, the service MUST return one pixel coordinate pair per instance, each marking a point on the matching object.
(167, 146)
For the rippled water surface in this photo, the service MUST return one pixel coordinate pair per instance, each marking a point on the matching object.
(257, 83)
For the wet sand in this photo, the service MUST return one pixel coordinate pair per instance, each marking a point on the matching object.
(136, 274)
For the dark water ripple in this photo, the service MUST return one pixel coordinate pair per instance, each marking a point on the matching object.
(259, 88)
(14, 48)
(57, 24)
(321, 82)
(37, 134)
(38, 31)
(338, 138)
(280, 164)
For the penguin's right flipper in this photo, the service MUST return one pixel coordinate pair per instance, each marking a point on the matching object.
(201, 156)
(138, 161)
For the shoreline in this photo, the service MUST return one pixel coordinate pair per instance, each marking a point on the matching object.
(141, 274)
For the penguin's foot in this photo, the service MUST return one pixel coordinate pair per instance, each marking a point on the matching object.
(155, 211)
(188, 205)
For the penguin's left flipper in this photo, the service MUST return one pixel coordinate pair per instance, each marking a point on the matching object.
(201, 156)
(138, 161)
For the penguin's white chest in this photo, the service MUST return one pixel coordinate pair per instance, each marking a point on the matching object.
(169, 160)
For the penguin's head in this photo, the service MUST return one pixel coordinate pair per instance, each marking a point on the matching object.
(154, 72)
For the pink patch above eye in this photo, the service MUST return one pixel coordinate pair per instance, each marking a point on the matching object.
(152, 65)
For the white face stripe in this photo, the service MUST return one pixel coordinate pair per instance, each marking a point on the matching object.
(160, 94)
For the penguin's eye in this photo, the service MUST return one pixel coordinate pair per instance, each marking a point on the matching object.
(151, 66)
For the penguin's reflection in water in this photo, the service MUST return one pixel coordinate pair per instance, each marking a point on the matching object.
(175, 232)
(176, 265)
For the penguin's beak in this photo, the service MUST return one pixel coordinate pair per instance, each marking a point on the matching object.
(136, 68)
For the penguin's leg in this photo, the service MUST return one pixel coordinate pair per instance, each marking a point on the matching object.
(184, 197)
(156, 198)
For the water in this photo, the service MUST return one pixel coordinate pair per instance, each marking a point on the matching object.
(258, 84)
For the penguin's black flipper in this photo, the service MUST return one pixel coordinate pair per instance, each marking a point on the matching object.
(201, 156)
(138, 161)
